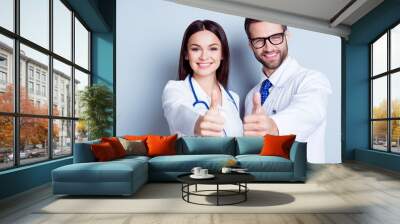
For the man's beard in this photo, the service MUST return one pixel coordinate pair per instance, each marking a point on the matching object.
(273, 66)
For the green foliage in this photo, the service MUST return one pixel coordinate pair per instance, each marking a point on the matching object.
(97, 104)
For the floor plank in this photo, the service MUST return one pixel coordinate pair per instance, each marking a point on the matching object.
(377, 189)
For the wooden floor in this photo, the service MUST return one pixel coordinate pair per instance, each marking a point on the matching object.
(378, 188)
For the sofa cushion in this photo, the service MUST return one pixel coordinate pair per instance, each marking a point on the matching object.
(161, 145)
(116, 145)
(111, 171)
(249, 145)
(103, 152)
(185, 163)
(207, 145)
(257, 163)
(277, 145)
(134, 147)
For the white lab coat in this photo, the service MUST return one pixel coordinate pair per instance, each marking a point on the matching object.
(181, 115)
(297, 103)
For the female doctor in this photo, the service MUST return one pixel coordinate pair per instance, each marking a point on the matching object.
(199, 103)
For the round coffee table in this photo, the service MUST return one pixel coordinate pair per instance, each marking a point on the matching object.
(238, 179)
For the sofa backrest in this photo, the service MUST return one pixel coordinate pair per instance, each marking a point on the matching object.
(249, 145)
(83, 152)
(206, 145)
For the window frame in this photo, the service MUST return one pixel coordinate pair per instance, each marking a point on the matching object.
(388, 74)
(15, 71)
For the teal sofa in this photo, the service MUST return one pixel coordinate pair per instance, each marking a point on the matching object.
(125, 176)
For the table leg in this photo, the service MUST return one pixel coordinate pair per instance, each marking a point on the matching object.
(217, 194)
(196, 188)
(245, 191)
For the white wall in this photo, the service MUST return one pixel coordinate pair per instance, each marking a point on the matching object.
(149, 34)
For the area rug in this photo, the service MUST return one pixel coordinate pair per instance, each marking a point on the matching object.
(167, 198)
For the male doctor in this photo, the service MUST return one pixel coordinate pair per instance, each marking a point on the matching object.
(289, 99)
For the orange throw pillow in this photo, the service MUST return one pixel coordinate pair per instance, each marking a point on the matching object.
(103, 152)
(277, 145)
(135, 137)
(161, 145)
(116, 145)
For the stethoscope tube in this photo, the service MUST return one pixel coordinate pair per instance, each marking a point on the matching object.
(197, 101)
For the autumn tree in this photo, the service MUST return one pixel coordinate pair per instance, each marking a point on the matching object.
(380, 127)
(33, 130)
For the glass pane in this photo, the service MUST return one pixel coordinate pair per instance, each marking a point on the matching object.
(34, 82)
(6, 142)
(379, 98)
(35, 21)
(395, 136)
(395, 94)
(62, 138)
(379, 135)
(62, 29)
(7, 14)
(395, 47)
(6, 74)
(62, 89)
(81, 81)
(81, 45)
(81, 131)
(379, 55)
(33, 139)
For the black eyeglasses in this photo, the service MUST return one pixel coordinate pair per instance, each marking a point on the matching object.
(274, 39)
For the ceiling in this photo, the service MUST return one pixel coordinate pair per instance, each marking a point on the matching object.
(326, 16)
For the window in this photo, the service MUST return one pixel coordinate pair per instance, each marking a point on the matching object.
(3, 72)
(30, 72)
(44, 131)
(37, 74)
(44, 91)
(6, 73)
(385, 91)
(3, 61)
(30, 87)
(81, 45)
(3, 78)
(7, 14)
(38, 89)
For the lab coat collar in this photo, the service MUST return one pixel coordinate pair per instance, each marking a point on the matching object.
(202, 95)
(283, 73)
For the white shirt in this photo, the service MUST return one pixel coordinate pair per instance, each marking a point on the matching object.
(297, 103)
(181, 115)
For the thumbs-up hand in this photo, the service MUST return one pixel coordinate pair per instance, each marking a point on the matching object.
(212, 122)
(258, 123)
(257, 107)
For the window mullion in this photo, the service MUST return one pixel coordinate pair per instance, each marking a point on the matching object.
(389, 106)
(50, 81)
(16, 83)
(73, 82)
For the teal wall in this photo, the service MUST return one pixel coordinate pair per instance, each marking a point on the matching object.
(99, 15)
(356, 87)
(24, 178)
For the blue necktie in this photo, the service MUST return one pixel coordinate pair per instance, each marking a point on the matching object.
(264, 90)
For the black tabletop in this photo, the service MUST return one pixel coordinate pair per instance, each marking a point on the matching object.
(220, 178)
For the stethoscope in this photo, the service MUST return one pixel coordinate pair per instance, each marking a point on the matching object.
(197, 101)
